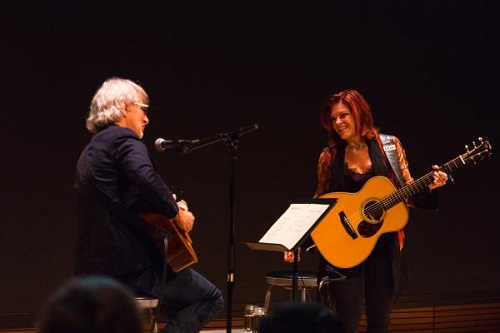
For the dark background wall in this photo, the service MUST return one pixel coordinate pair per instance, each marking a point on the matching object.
(428, 68)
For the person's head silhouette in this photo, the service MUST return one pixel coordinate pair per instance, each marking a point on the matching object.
(93, 304)
(300, 317)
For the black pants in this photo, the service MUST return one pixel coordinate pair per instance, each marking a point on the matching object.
(371, 284)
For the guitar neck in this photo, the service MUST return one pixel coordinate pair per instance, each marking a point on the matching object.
(409, 190)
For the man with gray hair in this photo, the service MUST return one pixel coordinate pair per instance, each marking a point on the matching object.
(116, 181)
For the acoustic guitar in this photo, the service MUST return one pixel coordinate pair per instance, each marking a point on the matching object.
(181, 253)
(347, 235)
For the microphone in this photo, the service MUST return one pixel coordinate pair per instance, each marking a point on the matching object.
(241, 131)
(163, 144)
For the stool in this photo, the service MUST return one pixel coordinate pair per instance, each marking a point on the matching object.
(305, 281)
(149, 304)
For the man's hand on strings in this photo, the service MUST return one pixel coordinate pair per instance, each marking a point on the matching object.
(184, 219)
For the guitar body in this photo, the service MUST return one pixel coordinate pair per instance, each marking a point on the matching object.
(346, 236)
(181, 253)
(348, 233)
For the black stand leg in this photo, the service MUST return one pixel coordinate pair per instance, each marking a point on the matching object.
(295, 278)
(154, 323)
(232, 233)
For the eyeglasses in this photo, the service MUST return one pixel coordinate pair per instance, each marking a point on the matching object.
(144, 107)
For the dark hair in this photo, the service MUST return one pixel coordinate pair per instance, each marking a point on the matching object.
(359, 108)
(93, 304)
(300, 317)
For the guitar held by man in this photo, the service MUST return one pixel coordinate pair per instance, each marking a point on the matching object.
(180, 253)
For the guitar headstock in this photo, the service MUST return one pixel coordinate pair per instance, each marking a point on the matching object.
(478, 152)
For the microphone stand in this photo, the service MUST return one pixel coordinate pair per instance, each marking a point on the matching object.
(230, 139)
(232, 233)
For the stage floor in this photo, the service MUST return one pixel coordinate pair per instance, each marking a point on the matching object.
(234, 330)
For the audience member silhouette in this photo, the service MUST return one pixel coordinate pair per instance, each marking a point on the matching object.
(300, 317)
(93, 304)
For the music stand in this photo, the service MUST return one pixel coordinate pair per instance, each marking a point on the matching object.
(293, 228)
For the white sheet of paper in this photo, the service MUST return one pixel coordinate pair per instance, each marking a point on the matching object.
(293, 224)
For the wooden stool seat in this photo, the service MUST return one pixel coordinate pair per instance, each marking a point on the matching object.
(306, 280)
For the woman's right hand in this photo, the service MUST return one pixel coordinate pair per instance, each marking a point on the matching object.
(289, 256)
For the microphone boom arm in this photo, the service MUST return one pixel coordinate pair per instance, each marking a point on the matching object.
(225, 137)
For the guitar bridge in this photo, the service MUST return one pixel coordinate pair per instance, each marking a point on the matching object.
(347, 226)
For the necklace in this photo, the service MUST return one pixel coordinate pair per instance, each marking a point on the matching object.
(356, 146)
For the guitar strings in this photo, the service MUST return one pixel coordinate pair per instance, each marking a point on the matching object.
(382, 205)
(418, 185)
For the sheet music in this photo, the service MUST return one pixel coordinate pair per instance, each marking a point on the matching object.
(294, 223)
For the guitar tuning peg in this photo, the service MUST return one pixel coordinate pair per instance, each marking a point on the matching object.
(480, 139)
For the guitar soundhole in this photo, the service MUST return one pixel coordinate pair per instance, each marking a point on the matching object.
(373, 215)
(366, 229)
(373, 212)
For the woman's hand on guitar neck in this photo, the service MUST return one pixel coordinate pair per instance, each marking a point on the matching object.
(440, 178)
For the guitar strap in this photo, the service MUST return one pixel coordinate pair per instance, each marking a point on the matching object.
(392, 155)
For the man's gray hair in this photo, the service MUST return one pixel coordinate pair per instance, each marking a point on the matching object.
(110, 100)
